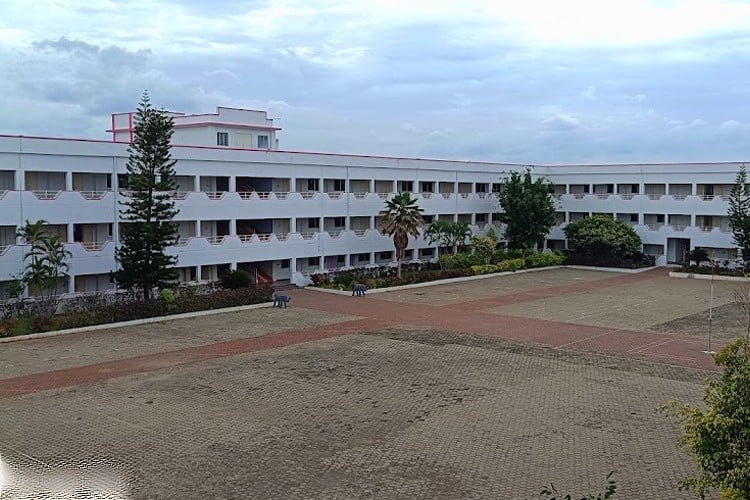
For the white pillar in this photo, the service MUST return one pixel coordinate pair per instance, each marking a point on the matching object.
(293, 225)
(68, 181)
(232, 184)
(197, 181)
(233, 228)
(197, 229)
(71, 232)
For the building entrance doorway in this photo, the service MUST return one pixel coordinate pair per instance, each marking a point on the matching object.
(677, 250)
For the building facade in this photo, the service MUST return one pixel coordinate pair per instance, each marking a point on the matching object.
(243, 203)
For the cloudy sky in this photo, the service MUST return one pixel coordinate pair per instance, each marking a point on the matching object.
(532, 81)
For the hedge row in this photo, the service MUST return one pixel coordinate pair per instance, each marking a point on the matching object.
(110, 308)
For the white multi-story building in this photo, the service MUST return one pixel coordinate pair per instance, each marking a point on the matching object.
(243, 203)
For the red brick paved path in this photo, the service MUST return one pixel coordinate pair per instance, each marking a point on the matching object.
(376, 313)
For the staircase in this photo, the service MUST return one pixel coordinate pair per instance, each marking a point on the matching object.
(261, 277)
(283, 285)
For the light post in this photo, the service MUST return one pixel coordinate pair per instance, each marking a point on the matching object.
(711, 305)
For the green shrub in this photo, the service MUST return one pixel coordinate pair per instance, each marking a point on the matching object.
(510, 265)
(110, 308)
(463, 260)
(501, 255)
(484, 269)
(238, 278)
(544, 259)
(601, 235)
(319, 279)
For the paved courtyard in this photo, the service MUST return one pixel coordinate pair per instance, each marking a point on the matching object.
(463, 390)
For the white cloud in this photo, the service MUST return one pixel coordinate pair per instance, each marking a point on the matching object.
(509, 81)
(561, 122)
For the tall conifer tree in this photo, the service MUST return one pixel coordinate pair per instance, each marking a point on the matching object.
(146, 227)
(739, 212)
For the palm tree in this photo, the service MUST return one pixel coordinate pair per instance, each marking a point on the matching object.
(400, 218)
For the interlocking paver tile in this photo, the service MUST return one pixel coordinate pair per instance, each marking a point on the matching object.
(452, 391)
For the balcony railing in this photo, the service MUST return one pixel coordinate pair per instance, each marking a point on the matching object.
(46, 194)
(93, 195)
(654, 226)
(483, 195)
(447, 196)
(360, 232)
(679, 197)
(308, 235)
(579, 196)
(246, 238)
(215, 240)
(263, 195)
(678, 227)
(281, 195)
(3, 249)
(264, 237)
(627, 196)
(360, 195)
(282, 236)
(602, 196)
(3, 192)
(384, 196)
(426, 195)
(180, 195)
(464, 195)
(183, 241)
(707, 197)
(215, 195)
(93, 246)
(335, 234)
(308, 195)
(707, 229)
(654, 196)
(334, 195)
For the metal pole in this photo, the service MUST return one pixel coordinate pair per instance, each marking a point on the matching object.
(711, 306)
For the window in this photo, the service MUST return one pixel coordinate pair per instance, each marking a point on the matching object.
(285, 264)
(426, 253)
(383, 255)
(481, 187)
(497, 187)
(339, 185)
(313, 261)
(649, 249)
(427, 219)
(262, 142)
(222, 138)
(427, 187)
(312, 184)
(481, 218)
(404, 186)
(313, 223)
(339, 222)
